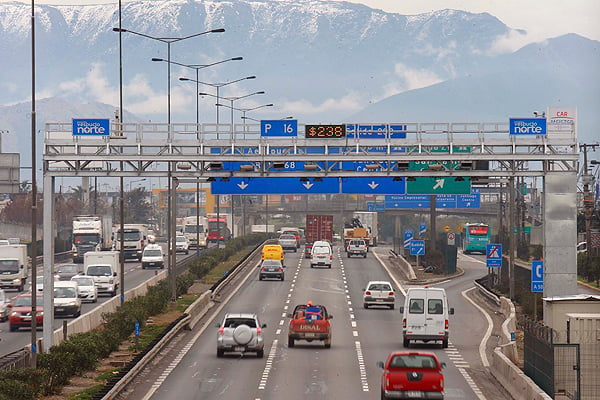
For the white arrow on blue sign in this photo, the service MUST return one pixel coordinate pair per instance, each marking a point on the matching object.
(493, 255)
(422, 228)
(537, 277)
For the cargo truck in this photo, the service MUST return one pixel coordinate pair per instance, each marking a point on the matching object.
(135, 238)
(104, 267)
(194, 229)
(14, 266)
(363, 226)
(318, 227)
(219, 229)
(90, 233)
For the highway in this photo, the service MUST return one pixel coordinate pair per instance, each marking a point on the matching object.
(361, 337)
(12, 341)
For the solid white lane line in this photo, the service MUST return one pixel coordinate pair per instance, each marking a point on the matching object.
(488, 332)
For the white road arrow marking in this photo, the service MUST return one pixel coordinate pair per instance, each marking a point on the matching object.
(243, 185)
(439, 184)
(373, 185)
(308, 185)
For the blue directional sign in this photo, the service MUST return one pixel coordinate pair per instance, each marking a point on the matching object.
(527, 126)
(279, 127)
(275, 185)
(375, 185)
(417, 247)
(472, 200)
(397, 131)
(408, 237)
(91, 127)
(375, 207)
(136, 329)
(422, 228)
(493, 255)
(537, 276)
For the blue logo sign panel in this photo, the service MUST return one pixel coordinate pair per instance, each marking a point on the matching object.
(275, 186)
(417, 247)
(537, 277)
(91, 127)
(397, 131)
(375, 207)
(408, 237)
(279, 127)
(422, 228)
(376, 185)
(493, 255)
(527, 126)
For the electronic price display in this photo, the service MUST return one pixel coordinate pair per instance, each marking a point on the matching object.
(325, 131)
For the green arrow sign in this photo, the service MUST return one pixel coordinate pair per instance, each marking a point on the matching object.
(438, 185)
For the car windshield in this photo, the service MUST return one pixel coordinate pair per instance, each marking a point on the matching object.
(84, 281)
(380, 286)
(86, 238)
(235, 322)
(67, 269)
(9, 266)
(152, 253)
(25, 301)
(321, 250)
(130, 235)
(287, 237)
(99, 270)
(180, 239)
(65, 293)
(413, 361)
(192, 229)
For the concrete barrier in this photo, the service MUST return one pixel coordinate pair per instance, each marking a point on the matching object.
(198, 309)
(519, 385)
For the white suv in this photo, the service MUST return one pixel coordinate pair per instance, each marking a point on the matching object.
(357, 246)
(240, 333)
(152, 256)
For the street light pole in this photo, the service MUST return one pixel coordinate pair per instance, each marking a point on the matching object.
(170, 206)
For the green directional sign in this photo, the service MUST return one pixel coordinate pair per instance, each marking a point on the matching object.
(448, 165)
(438, 185)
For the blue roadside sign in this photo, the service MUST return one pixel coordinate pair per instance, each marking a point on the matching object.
(493, 255)
(537, 276)
(136, 327)
(279, 127)
(417, 247)
(408, 236)
(422, 228)
(527, 126)
(91, 127)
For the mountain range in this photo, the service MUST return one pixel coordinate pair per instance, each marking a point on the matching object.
(318, 61)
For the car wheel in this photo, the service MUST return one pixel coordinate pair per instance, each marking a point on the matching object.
(383, 396)
(260, 353)
(143, 267)
(445, 344)
(329, 266)
(406, 343)
(187, 252)
(95, 300)
(328, 343)
(365, 255)
(77, 314)
(290, 342)
(391, 306)
(220, 353)
(282, 277)
(14, 328)
(260, 278)
(365, 305)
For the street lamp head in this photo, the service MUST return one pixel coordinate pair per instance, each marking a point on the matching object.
(184, 79)
(250, 77)
(261, 92)
(236, 58)
(119, 30)
(158, 59)
(204, 94)
(218, 30)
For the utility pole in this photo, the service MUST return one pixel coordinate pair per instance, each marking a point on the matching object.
(588, 202)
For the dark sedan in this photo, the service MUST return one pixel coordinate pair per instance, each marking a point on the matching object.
(65, 272)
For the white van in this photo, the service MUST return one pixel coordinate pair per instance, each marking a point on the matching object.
(425, 316)
(321, 254)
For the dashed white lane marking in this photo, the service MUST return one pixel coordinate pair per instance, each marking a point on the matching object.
(268, 366)
(278, 332)
(361, 367)
(461, 364)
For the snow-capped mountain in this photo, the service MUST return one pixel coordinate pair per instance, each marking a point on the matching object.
(319, 61)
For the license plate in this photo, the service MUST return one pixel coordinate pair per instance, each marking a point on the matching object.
(310, 334)
(414, 394)
(59, 309)
(238, 348)
(26, 318)
(379, 300)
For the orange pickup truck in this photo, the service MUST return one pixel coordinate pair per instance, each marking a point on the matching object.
(310, 322)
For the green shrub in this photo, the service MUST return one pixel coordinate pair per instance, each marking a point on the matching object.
(12, 389)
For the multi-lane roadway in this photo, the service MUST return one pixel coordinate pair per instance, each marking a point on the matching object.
(347, 370)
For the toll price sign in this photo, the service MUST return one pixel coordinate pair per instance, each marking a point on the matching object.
(325, 131)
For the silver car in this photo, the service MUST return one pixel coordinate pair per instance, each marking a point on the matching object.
(379, 293)
(3, 309)
(240, 333)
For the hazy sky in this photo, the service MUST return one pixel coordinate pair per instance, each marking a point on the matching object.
(541, 18)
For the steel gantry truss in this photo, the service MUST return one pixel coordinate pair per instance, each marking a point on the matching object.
(197, 152)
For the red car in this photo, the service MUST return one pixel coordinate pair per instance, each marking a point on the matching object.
(20, 312)
(412, 375)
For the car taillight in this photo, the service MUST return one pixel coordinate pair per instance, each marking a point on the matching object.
(258, 330)
(280, 269)
(221, 329)
(446, 324)
(368, 293)
(404, 322)
(390, 293)
(331, 256)
(262, 268)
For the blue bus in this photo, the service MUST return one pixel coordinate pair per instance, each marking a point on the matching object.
(475, 237)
